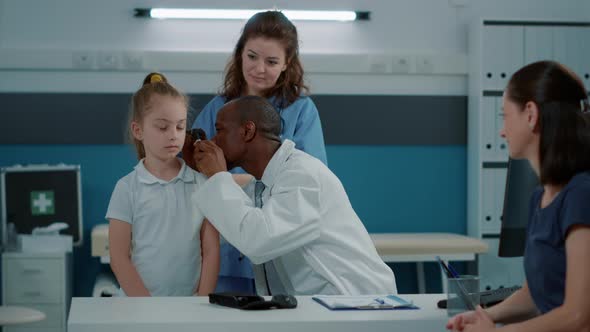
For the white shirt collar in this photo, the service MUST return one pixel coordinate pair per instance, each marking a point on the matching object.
(276, 162)
(148, 178)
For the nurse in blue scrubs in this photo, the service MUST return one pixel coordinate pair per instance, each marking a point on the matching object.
(265, 63)
(547, 122)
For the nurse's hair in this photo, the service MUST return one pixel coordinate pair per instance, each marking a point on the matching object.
(272, 25)
(153, 84)
(564, 123)
(261, 112)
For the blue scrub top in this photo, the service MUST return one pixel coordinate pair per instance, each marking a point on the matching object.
(301, 124)
(545, 255)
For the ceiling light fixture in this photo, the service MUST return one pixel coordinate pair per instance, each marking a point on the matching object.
(243, 14)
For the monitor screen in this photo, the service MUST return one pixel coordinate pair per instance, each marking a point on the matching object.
(37, 196)
(521, 182)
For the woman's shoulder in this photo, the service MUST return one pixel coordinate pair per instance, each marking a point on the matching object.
(215, 104)
(580, 184)
(206, 116)
(303, 103)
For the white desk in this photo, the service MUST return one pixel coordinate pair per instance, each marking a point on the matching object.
(179, 314)
(424, 247)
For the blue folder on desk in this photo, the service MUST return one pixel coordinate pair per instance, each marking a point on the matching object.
(364, 302)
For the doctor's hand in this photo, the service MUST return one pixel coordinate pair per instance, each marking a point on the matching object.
(209, 158)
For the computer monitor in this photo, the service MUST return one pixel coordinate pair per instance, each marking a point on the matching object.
(521, 182)
(39, 195)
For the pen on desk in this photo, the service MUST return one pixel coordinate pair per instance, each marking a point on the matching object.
(462, 291)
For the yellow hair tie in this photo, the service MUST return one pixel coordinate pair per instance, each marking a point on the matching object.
(156, 78)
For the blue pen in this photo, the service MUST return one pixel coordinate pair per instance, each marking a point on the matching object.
(445, 268)
(453, 271)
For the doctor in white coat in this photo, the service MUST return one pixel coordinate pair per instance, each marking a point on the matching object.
(293, 220)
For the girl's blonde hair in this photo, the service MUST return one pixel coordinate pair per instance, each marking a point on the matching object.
(153, 84)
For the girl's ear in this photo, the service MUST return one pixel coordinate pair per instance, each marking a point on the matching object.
(532, 112)
(136, 130)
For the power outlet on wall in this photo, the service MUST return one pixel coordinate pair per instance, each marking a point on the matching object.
(424, 64)
(108, 60)
(83, 60)
(400, 64)
(379, 64)
(133, 61)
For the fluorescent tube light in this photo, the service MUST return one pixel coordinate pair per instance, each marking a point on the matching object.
(239, 14)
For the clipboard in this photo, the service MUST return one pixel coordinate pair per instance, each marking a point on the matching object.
(364, 302)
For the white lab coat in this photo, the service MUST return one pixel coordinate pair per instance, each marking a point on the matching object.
(307, 227)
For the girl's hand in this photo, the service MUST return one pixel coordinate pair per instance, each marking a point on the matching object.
(457, 322)
(483, 322)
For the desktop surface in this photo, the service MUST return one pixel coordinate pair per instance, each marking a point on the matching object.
(193, 313)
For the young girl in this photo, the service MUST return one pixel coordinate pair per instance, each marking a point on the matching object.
(160, 244)
(546, 121)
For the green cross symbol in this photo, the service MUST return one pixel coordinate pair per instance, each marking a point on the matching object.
(42, 203)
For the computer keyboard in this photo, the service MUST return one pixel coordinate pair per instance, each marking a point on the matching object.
(489, 297)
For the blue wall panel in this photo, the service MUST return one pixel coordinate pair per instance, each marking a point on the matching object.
(392, 188)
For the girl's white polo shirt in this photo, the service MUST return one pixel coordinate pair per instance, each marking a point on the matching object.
(166, 246)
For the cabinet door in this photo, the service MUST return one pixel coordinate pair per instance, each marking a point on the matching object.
(568, 47)
(487, 191)
(492, 194)
(500, 191)
(487, 126)
(503, 48)
(585, 41)
(33, 280)
(538, 44)
(500, 144)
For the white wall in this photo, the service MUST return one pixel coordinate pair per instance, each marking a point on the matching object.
(38, 38)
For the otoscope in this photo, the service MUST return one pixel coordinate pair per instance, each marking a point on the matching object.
(197, 134)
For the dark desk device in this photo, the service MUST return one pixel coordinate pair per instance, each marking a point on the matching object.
(488, 298)
(252, 302)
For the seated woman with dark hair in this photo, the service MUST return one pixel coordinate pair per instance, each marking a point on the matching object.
(546, 121)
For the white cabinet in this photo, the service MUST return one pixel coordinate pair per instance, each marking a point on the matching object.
(585, 73)
(500, 62)
(497, 49)
(492, 194)
(538, 43)
(41, 281)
